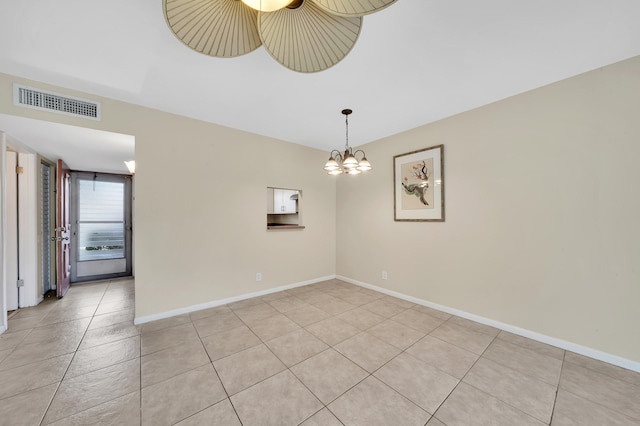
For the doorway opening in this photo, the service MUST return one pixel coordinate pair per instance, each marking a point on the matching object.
(100, 226)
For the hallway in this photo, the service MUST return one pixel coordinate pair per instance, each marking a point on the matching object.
(66, 339)
(330, 353)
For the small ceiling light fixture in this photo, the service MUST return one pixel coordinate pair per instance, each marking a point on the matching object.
(346, 162)
(131, 165)
(266, 5)
(303, 35)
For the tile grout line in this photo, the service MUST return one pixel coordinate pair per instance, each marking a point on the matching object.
(28, 330)
(69, 366)
(465, 374)
(140, 386)
(217, 375)
(486, 393)
(369, 374)
(338, 352)
(603, 373)
(333, 316)
(330, 347)
(287, 368)
(590, 400)
(108, 282)
(555, 398)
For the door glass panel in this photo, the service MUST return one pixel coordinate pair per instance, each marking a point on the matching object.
(100, 220)
(99, 241)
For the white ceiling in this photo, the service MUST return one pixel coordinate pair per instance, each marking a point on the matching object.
(80, 148)
(415, 62)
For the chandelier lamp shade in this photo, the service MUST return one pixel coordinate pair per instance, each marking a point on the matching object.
(303, 35)
(347, 161)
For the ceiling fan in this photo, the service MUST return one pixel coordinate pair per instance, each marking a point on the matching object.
(303, 35)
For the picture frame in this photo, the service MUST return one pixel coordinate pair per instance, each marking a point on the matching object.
(418, 185)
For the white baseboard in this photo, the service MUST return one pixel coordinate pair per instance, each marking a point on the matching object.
(562, 344)
(3, 328)
(559, 343)
(220, 302)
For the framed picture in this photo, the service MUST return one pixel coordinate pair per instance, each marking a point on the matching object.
(418, 185)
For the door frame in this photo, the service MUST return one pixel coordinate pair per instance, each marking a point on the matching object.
(50, 232)
(3, 229)
(63, 228)
(27, 224)
(27, 200)
(128, 223)
(12, 232)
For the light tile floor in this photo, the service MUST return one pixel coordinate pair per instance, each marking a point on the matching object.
(324, 354)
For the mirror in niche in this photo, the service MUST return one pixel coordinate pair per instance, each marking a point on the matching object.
(283, 208)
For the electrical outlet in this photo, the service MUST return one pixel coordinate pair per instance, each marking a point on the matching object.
(258, 276)
(384, 275)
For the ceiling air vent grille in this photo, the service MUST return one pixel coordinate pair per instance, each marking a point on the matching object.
(54, 102)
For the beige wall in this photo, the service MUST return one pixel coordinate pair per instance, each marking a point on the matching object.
(201, 205)
(201, 214)
(542, 213)
(541, 226)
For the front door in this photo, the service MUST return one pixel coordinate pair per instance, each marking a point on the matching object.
(102, 231)
(63, 229)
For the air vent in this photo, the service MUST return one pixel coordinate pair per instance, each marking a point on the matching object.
(49, 101)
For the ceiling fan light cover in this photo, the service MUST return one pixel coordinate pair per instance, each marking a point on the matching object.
(353, 7)
(287, 37)
(266, 5)
(220, 28)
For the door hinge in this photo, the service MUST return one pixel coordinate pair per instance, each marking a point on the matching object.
(19, 170)
(20, 283)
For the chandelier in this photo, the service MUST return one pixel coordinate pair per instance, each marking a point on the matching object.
(346, 162)
(303, 35)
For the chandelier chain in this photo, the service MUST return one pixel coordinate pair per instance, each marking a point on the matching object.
(346, 121)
